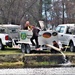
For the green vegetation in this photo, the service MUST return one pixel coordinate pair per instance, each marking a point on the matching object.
(10, 51)
(18, 51)
(13, 58)
(12, 64)
(44, 63)
(69, 53)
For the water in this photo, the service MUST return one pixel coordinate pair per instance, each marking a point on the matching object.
(39, 71)
(65, 58)
(63, 54)
(66, 64)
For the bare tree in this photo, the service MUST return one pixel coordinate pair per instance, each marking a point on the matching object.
(18, 11)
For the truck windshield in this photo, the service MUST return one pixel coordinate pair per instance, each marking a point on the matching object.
(60, 29)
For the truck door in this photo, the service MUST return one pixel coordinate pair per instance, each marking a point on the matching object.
(61, 31)
(66, 36)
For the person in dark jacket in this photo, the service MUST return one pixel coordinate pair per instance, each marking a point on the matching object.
(35, 31)
(55, 44)
(35, 36)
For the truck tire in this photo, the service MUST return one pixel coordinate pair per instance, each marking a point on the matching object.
(28, 49)
(71, 47)
(23, 48)
(1, 46)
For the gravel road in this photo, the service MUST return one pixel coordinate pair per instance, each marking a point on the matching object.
(39, 71)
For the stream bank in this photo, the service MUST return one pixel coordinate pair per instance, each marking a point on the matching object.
(33, 60)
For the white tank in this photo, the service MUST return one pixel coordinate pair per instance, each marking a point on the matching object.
(47, 37)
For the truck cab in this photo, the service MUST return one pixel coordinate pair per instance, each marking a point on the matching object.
(66, 36)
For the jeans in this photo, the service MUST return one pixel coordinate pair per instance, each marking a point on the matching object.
(36, 40)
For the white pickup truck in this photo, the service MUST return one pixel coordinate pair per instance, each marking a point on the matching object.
(66, 34)
(9, 35)
(5, 41)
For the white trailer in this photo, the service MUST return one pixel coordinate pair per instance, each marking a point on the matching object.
(45, 37)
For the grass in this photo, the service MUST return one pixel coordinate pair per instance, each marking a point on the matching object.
(10, 51)
(69, 53)
(41, 64)
(32, 63)
(12, 65)
(18, 51)
(46, 63)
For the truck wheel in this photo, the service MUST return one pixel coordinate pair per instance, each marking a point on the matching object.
(23, 48)
(71, 47)
(1, 46)
(28, 49)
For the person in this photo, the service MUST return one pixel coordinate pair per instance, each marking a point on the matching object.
(27, 25)
(55, 44)
(35, 31)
